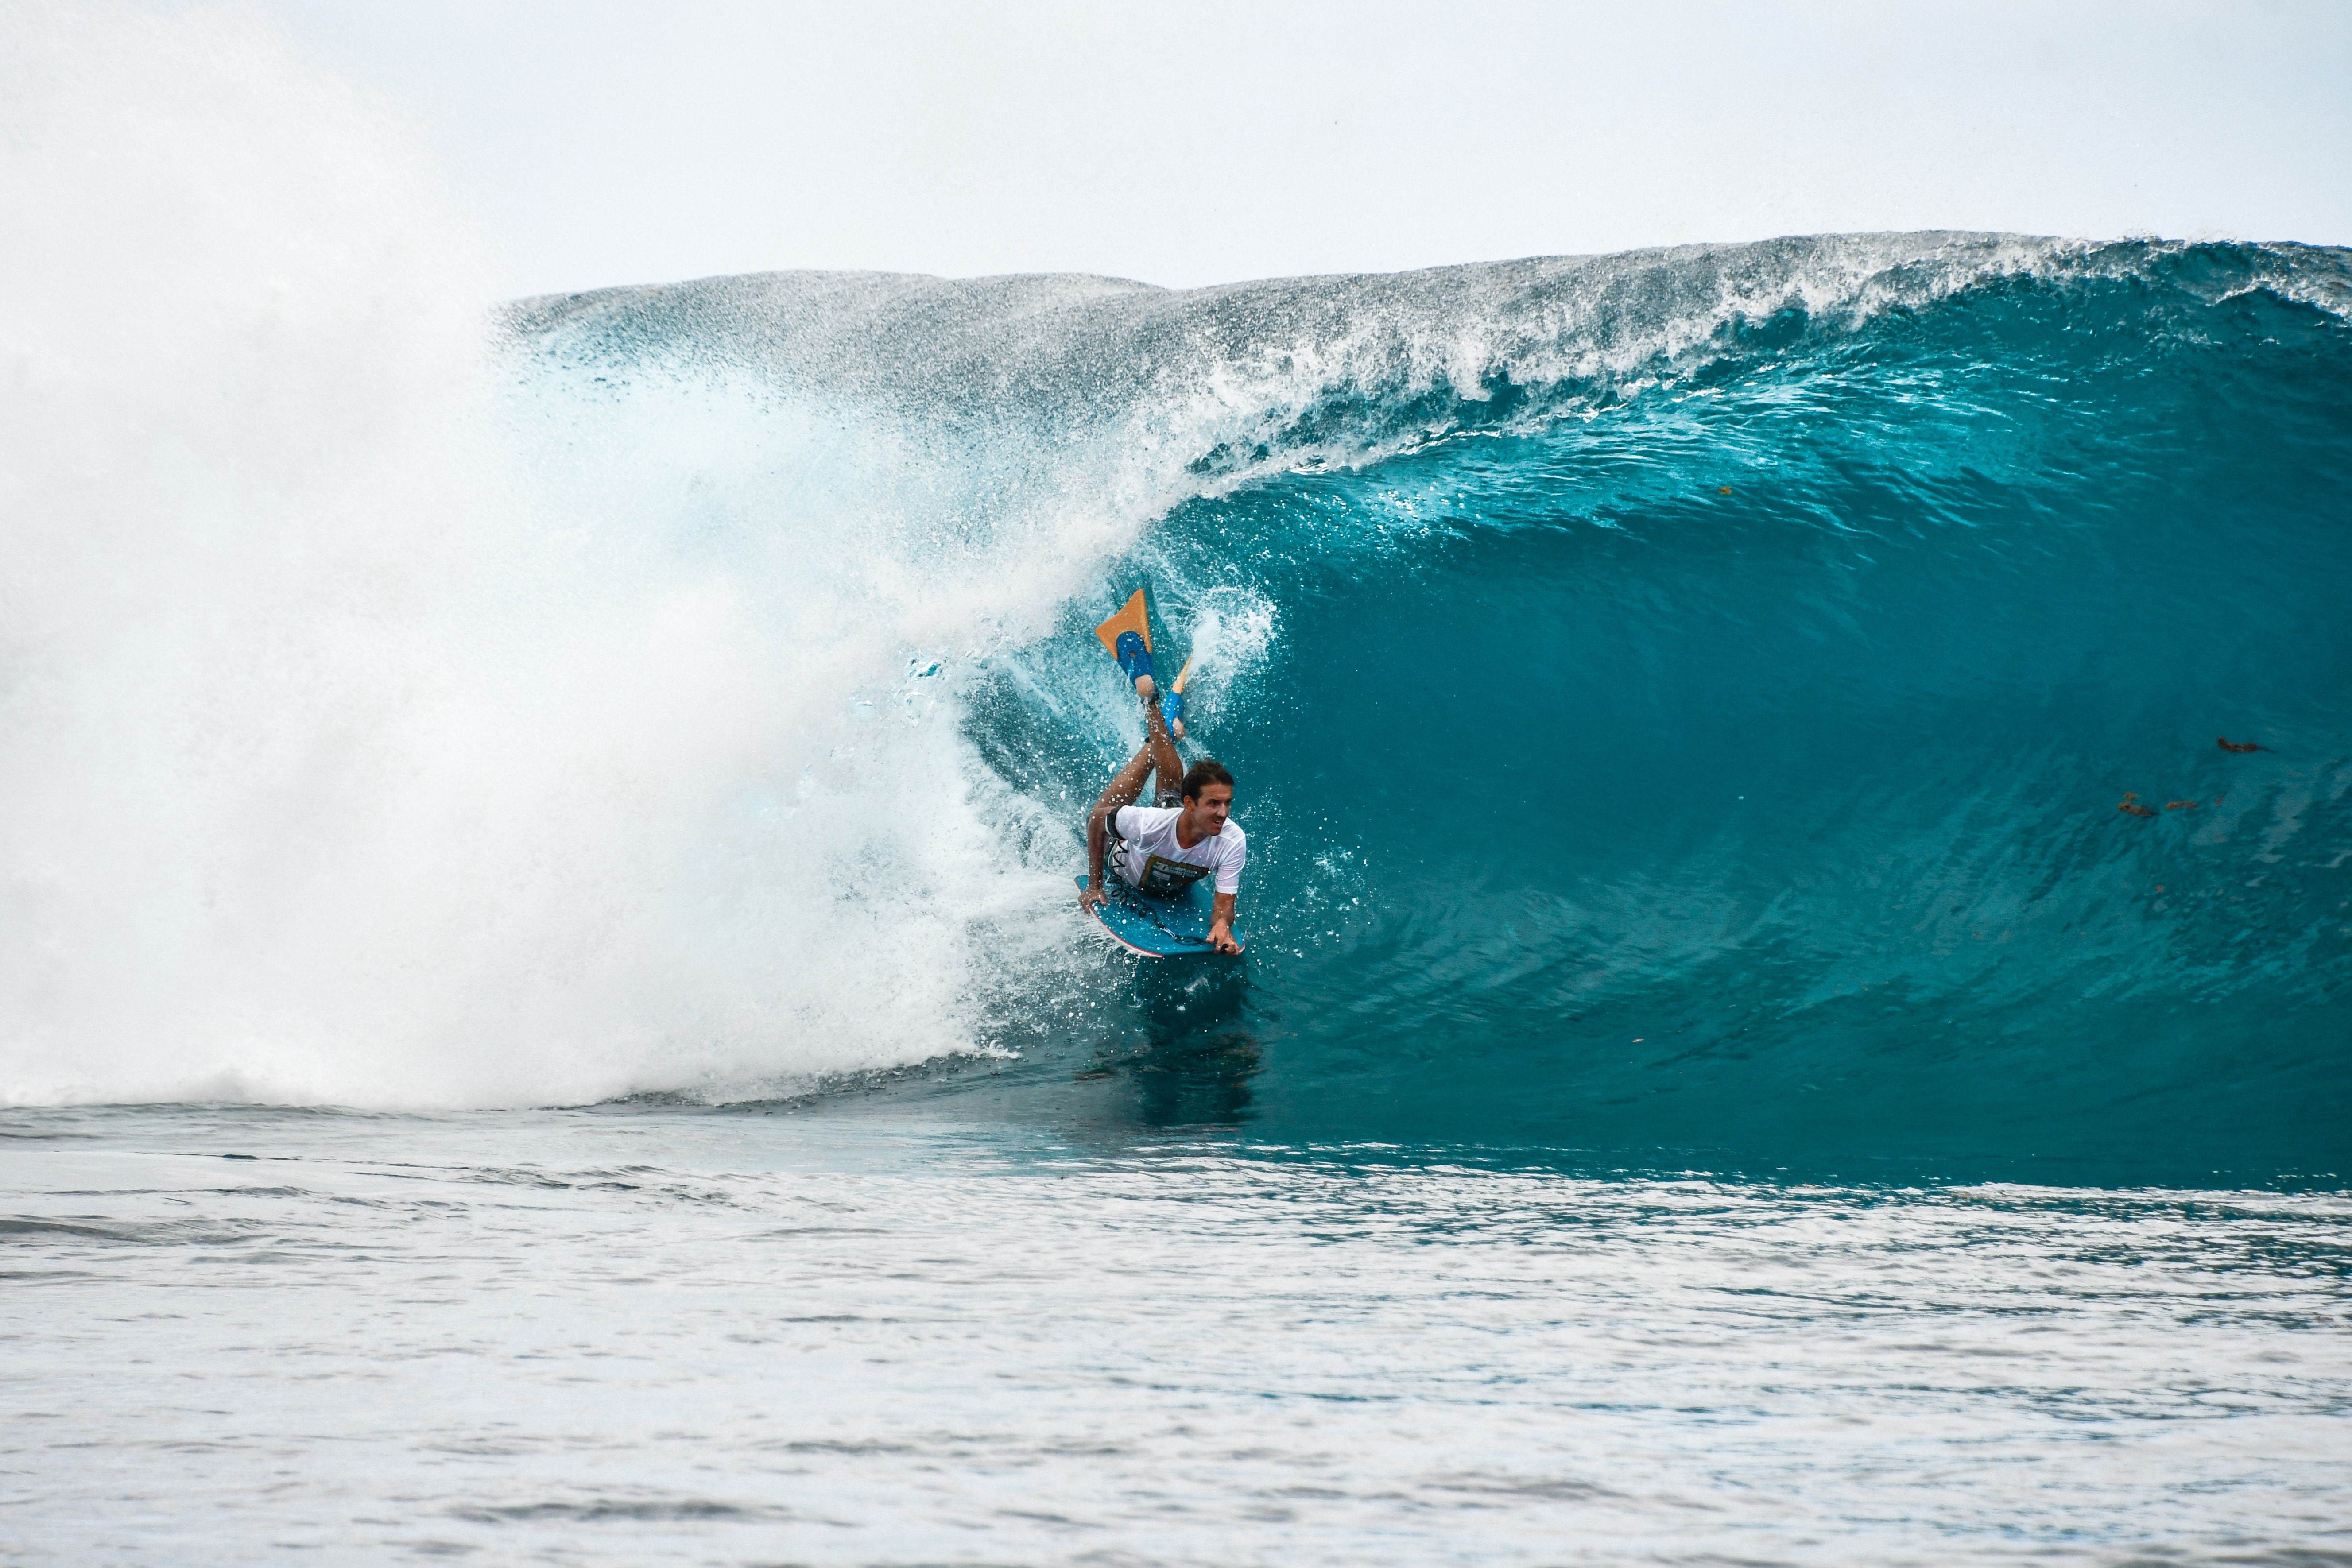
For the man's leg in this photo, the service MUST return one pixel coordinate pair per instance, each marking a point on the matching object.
(1159, 744)
(1158, 754)
(1127, 784)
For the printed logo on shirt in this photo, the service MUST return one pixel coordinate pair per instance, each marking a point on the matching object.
(1161, 874)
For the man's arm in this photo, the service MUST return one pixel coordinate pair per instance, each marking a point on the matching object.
(1097, 839)
(1121, 794)
(1221, 924)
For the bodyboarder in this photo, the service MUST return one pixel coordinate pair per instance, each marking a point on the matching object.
(1162, 850)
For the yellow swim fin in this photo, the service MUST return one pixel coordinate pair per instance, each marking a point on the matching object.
(1132, 617)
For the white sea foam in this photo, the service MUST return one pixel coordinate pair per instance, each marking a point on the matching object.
(381, 735)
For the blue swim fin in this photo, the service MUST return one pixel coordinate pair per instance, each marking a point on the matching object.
(1134, 658)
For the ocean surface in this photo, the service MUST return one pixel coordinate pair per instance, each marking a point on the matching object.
(1800, 997)
(631, 1336)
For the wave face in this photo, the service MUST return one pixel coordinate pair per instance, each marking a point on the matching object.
(1732, 755)
(1680, 698)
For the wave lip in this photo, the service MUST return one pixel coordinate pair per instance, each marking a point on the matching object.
(1237, 381)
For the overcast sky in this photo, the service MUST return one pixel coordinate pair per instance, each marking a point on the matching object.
(596, 142)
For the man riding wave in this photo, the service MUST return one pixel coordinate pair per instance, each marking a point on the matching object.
(1163, 849)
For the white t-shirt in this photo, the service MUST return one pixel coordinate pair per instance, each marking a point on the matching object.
(1151, 858)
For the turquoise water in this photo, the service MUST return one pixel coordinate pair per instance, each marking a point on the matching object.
(1734, 761)
(554, 1026)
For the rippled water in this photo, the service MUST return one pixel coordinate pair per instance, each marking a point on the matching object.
(658, 1335)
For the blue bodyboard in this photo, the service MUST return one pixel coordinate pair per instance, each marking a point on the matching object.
(1155, 927)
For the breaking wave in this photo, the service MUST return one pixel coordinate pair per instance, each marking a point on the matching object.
(1680, 697)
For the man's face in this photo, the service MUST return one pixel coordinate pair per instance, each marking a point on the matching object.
(1210, 809)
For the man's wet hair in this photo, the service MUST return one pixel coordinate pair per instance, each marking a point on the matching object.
(1203, 774)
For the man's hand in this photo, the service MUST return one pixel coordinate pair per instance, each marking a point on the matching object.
(1221, 924)
(1090, 896)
